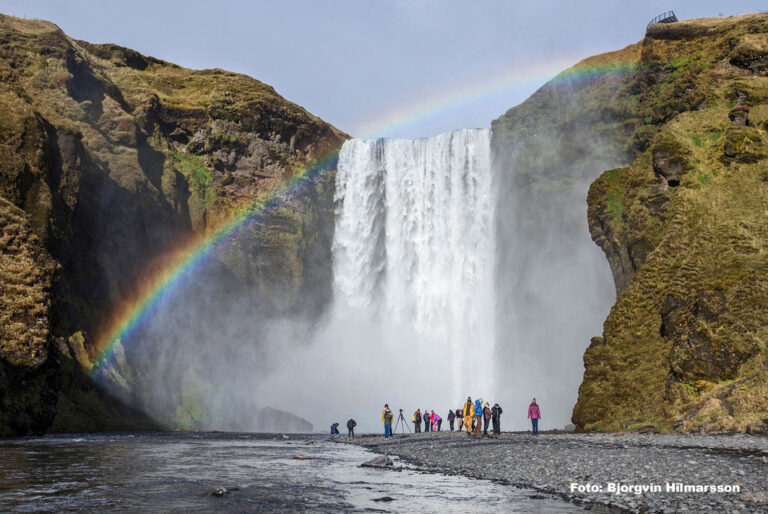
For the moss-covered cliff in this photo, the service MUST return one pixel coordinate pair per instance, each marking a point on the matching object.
(685, 230)
(108, 159)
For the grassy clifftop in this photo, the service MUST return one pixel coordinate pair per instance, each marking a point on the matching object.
(108, 159)
(685, 230)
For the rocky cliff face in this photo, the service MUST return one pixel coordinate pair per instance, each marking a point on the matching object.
(109, 159)
(685, 231)
(679, 122)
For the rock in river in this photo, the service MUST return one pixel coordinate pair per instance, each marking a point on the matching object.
(382, 461)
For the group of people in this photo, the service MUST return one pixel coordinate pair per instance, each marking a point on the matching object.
(351, 424)
(475, 417)
(432, 421)
(471, 415)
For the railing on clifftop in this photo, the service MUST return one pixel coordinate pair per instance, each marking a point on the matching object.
(667, 17)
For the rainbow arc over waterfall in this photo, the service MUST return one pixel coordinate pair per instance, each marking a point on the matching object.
(180, 264)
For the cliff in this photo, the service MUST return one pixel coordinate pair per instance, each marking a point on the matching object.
(685, 232)
(678, 120)
(110, 159)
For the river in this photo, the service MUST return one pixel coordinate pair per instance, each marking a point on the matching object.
(177, 472)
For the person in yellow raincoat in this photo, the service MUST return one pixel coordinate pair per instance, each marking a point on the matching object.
(386, 419)
(469, 414)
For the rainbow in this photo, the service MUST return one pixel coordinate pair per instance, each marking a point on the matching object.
(181, 264)
(470, 92)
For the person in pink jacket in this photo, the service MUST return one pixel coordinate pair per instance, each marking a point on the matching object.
(534, 414)
(436, 422)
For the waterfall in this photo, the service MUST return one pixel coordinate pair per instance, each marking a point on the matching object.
(414, 247)
(452, 276)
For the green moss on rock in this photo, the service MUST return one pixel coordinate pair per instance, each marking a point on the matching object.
(684, 345)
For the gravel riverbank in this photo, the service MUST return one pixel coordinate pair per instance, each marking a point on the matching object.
(551, 463)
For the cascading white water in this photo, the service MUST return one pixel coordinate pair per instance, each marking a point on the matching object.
(414, 246)
(412, 320)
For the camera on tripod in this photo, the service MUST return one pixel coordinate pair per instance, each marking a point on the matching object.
(402, 423)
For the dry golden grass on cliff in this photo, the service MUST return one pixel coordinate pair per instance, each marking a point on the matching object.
(25, 280)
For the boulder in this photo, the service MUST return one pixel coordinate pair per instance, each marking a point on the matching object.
(382, 461)
(739, 115)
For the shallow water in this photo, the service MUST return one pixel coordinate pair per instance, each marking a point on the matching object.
(177, 472)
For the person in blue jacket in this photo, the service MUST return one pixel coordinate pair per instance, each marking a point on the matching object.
(335, 430)
(427, 422)
(478, 416)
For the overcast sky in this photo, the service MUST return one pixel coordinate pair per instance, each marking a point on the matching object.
(406, 68)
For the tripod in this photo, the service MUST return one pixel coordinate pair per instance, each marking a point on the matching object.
(402, 423)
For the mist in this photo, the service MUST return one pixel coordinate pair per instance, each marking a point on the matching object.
(411, 321)
(452, 266)
(555, 290)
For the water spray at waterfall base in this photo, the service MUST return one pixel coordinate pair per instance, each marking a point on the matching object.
(449, 279)
(435, 296)
(413, 260)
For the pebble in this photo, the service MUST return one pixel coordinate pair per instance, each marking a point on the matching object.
(550, 462)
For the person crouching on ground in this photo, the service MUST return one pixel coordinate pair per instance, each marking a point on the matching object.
(386, 418)
(534, 414)
(451, 418)
(427, 420)
(417, 421)
(437, 421)
(496, 417)
(469, 414)
(478, 416)
(335, 430)
(486, 418)
(351, 424)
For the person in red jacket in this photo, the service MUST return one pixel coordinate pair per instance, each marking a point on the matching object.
(534, 414)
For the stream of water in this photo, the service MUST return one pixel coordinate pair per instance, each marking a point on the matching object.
(176, 472)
